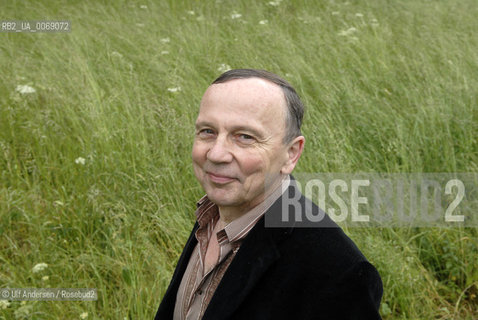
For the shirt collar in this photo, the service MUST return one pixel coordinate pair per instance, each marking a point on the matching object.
(237, 229)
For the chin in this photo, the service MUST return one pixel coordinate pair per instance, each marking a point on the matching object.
(220, 198)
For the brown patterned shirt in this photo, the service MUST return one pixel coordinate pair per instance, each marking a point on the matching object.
(196, 288)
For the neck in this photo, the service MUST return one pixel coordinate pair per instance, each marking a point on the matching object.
(228, 214)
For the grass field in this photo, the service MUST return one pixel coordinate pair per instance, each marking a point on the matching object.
(95, 172)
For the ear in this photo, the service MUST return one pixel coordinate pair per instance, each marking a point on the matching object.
(294, 151)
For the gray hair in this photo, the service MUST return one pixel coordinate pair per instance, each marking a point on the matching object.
(295, 108)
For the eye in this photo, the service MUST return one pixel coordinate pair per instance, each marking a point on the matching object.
(245, 138)
(205, 133)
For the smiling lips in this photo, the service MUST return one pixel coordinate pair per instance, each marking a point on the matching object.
(219, 179)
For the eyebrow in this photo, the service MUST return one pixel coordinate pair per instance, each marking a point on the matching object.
(199, 124)
(251, 130)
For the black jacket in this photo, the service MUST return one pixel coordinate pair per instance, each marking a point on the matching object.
(289, 273)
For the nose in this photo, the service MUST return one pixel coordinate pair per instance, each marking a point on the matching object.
(220, 151)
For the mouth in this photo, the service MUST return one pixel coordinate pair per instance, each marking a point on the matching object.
(219, 179)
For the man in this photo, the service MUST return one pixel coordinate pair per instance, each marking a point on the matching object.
(247, 143)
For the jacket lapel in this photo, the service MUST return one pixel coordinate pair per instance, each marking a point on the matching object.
(166, 308)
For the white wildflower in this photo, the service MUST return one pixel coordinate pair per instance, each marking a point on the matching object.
(4, 304)
(23, 89)
(164, 52)
(374, 23)
(263, 22)
(45, 278)
(80, 160)
(347, 32)
(116, 54)
(235, 15)
(274, 3)
(140, 25)
(93, 192)
(39, 267)
(335, 13)
(165, 40)
(174, 89)
(190, 12)
(84, 315)
(200, 18)
(359, 15)
(143, 6)
(223, 67)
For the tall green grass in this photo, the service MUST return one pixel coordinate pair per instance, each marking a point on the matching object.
(390, 87)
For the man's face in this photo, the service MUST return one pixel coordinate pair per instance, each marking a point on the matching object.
(238, 146)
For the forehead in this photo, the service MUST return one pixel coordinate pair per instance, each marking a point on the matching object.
(254, 87)
(251, 97)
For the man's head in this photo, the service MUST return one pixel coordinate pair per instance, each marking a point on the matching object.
(247, 137)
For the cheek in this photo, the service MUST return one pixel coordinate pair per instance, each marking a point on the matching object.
(252, 164)
(198, 162)
(198, 153)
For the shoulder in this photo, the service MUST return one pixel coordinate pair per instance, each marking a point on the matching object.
(317, 247)
(327, 250)
(302, 230)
